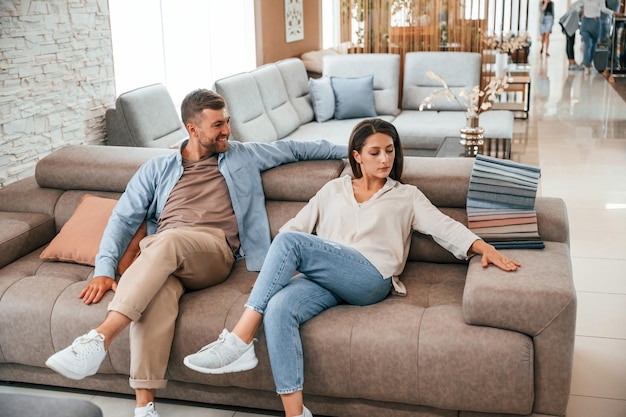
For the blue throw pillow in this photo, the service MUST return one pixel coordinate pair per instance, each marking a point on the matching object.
(323, 98)
(354, 97)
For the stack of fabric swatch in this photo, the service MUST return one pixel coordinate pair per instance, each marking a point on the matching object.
(501, 203)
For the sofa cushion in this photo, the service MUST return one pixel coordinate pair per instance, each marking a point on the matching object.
(323, 98)
(79, 239)
(384, 67)
(354, 97)
(335, 131)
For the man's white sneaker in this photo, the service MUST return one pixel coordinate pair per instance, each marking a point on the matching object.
(147, 411)
(81, 359)
(227, 354)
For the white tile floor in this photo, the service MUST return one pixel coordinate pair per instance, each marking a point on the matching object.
(576, 133)
(579, 125)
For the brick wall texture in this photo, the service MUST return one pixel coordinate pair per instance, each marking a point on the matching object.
(56, 79)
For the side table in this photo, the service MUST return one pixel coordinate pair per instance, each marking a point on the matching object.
(496, 147)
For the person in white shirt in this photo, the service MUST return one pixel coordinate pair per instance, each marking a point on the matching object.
(363, 230)
(590, 26)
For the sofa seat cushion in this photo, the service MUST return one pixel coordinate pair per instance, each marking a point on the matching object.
(427, 129)
(335, 131)
(32, 331)
(438, 360)
(497, 123)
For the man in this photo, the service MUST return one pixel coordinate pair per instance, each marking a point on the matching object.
(198, 224)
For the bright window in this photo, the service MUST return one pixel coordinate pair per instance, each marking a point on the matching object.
(183, 44)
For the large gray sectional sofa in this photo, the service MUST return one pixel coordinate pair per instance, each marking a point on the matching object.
(274, 101)
(465, 341)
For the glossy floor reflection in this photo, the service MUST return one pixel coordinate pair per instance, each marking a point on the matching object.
(576, 133)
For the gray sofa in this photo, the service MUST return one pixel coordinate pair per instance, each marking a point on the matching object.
(273, 102)
(464, 341)
(145, 117)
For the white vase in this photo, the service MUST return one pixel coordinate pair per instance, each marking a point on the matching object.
(502, 62)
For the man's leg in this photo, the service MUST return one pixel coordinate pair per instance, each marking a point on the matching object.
(151, 341)
(203, 259)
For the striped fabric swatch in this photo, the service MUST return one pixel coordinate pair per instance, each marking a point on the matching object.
(501, 203)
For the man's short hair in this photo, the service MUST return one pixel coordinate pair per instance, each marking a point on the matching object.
(198, 100)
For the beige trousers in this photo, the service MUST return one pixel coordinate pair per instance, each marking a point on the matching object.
(148, 293)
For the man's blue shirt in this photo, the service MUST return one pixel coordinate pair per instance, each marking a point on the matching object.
(148, 191)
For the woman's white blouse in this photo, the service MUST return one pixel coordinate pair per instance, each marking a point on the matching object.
(380, 228)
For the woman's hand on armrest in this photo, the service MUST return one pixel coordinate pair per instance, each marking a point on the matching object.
(490, 255)
(96, 288)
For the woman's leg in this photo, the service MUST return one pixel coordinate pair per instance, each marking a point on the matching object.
(569, 49)
(298, 302)
(333, 266)
(329, 274)
(585, 29)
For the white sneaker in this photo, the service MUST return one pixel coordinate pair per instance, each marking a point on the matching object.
(147, 411)
(306, 412)
(227, 354)
(81, 359)
(587, 71)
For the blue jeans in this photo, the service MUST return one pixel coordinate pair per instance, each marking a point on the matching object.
(590, 31)
(330, 274)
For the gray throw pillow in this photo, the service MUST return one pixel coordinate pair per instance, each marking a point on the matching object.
(323, 98)
(354, 97)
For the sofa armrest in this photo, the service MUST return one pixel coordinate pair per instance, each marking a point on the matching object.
(21, 233)
(539, 300)
(527, 300)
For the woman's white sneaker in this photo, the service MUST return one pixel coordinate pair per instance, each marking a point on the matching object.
(227, 354)
(81, 359)
(148, 411)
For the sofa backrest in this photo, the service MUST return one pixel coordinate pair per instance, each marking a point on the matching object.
(105, 171)
(295, 78)
(460, 70)
(248, 119)
(384, 67)
(267, 103)
(145, 117)
(279, 108)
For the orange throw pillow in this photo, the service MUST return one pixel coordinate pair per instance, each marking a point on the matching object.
(79, 238)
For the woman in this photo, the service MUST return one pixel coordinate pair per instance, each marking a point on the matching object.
(590, 26)
(363, 230)
(547, 21)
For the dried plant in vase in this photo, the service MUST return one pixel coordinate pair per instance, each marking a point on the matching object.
(474, 102)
